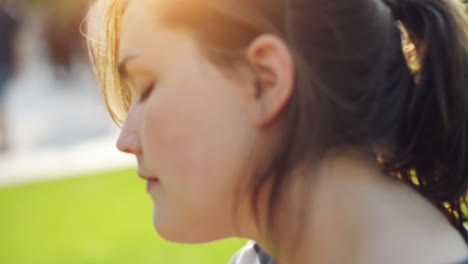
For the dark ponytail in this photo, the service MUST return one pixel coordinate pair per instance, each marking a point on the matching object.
(432, 153)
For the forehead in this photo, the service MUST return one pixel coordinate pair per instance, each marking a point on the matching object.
(145, 34)
(139, 24)
(145, 22)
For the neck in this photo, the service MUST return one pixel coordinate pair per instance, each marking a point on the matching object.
(357, 214)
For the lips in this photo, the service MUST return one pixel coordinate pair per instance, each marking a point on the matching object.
(151, 181)
(147, 177)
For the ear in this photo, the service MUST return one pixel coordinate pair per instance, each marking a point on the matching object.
(273, 66)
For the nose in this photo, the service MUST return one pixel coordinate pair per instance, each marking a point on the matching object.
(128, 142)
(129, 139)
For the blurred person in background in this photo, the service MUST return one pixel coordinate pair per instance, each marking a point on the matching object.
(65, 44)
(9, 25)
(298, 124)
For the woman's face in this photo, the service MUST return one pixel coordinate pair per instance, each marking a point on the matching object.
(189, 126)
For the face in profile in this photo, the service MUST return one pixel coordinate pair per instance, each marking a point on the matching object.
(188, 126)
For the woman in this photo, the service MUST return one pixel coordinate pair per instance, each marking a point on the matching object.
(298, 124)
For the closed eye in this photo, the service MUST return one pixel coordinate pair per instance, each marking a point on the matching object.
(146, 93)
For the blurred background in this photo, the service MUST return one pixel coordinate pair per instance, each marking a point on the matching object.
(66, 194)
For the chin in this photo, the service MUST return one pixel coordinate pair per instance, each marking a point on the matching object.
(185, 234)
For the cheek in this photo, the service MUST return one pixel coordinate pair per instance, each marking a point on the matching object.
(194, 136)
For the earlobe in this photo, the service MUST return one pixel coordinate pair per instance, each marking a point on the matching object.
(272, 62)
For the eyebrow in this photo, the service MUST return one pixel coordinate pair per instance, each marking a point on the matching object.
(123, 66)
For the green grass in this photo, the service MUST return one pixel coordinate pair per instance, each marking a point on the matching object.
(102, 218)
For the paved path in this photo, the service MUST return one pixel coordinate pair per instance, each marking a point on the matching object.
(93, 155)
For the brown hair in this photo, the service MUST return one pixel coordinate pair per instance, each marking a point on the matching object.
(354, 87)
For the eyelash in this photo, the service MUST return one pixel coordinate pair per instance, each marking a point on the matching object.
(146, 93)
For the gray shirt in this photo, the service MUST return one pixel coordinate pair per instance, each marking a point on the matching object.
(251, 253)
